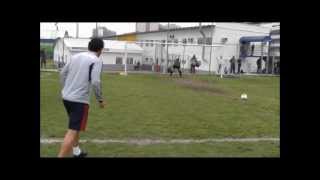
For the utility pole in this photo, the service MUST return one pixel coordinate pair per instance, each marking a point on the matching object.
(125, 58)
(211, 48)
(96, 29)
(57, 30)
(77, 30)
(167, 59)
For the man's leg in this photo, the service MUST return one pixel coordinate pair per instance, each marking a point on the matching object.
(68, 142)
(76, 148)
(76, 141)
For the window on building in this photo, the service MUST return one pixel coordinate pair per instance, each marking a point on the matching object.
(151, 43)
(147, 44)
(118, 60)
(200, 40)
(129, 60)
(176, 41)
(224, 40)
(276, 41)
(209, 40)
(163, 41)
(275, 32)
(190, 40)
(184, 40)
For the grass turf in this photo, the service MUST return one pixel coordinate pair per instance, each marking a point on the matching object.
(156, 106)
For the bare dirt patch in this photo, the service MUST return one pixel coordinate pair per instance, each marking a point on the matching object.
(199, 85)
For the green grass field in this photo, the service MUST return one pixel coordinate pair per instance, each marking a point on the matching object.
(158, 107)
(50, 64)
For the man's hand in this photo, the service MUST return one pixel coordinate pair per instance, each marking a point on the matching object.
(101, 104)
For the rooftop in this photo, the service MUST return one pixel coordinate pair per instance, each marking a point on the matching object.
(79, 43)
(222, 25)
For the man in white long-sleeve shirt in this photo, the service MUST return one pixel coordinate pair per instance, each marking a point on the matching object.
(77, 76)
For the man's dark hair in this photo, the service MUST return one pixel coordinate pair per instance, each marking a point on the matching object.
(95, 44)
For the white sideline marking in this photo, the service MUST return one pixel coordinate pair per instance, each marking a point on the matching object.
(159, 141)
(49, 70)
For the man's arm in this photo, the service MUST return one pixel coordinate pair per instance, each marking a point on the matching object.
(64, 74)
(96, 81)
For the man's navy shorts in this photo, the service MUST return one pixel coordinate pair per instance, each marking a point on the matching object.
(78, 115)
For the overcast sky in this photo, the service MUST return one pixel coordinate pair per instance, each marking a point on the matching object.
(48, 30)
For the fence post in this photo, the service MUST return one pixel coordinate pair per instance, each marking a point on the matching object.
(125, 58)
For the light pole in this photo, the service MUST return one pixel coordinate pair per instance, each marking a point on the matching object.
(183, 58)
(57, 29)
(77, 30)
(167, 58)
(96, 29)
(211, 48)
(125, 58)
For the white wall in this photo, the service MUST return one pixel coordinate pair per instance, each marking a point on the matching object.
(230, 49)
(154, 26)
(232, 45)
(110, 58)
(140, 27)
(175, 50)
(58, 52)
(232, 31)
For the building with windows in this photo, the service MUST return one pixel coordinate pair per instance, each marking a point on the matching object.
(147, 27)
(275, 43)
(189, 41)
(102, 31)
(274, 49)
(112, 56)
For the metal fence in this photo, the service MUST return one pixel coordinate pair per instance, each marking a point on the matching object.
(215, 58)
(212, 57)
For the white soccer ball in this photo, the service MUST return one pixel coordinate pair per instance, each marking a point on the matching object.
(244, 96)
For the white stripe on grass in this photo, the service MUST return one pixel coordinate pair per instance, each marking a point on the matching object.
(160, 141)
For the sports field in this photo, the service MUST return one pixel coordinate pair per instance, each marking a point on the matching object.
(149, 115)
